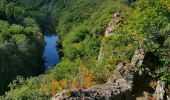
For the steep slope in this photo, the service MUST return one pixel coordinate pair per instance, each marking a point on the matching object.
(20, 52)
(117, 87)
(81, 27)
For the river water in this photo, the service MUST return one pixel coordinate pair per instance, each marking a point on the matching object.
(51, 55)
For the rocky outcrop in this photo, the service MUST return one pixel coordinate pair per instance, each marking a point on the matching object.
(138, 58)
(117, 87)
(115, 22)
(160, 93)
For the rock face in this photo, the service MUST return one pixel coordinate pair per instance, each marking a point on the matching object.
(117, 87)
(138, 58)
(115, 22)
(160, 93)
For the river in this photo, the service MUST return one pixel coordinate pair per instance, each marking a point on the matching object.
(50, 55)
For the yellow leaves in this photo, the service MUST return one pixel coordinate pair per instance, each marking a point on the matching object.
(45, 89)
(168, 5)
(169, 87)
(111, 60)
(106, 39)
(150, 10)
(163, 78)
(53, 87)
(138, 37)
(57, 86)
(130, 47)
(77, 45)
(153, 84)
(135, 33)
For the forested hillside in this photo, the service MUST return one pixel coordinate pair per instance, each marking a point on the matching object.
(81, 26)
(20, 52)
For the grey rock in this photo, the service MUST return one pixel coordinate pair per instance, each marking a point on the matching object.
(115, 22)
(160, 91)
(138, 58)
(117, 14)
(116, 87)
(101, 54)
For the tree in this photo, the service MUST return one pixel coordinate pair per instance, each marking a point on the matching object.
(149, 24)
(149, 28)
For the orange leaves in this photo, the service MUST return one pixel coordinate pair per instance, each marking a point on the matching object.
(57, 86)
(87, 78)
(63, 84)
(75, 84)
(84, 80)
(53, 87)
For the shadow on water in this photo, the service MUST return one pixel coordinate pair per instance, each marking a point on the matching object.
(51, 54)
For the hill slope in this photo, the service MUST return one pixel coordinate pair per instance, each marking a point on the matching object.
(81, 25)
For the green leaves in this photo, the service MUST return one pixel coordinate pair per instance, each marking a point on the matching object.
(150, 21)
(16, 29)
(18, 53)
(164, 75)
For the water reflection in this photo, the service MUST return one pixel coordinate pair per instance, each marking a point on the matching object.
(51, 55)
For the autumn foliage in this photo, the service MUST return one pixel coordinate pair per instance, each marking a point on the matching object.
(86, 80)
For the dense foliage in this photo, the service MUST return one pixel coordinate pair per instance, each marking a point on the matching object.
(151, 33)
(20, 52)
(21, 47)
(80, 25)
